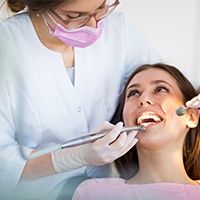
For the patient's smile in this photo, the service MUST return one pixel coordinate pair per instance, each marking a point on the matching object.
(148, 118)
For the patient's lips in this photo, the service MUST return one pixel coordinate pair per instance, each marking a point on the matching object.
(148, 118)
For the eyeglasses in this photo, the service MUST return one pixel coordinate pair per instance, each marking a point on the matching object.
(77, 19)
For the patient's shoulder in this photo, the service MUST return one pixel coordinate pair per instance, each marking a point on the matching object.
(104, 181)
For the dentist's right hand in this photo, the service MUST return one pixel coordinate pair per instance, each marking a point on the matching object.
(103, 151)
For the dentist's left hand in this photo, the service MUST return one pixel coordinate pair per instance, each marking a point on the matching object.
(194, 102)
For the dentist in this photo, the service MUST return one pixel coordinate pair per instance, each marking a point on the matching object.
(63, 67)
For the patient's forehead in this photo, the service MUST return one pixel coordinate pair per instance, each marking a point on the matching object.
(149, 75)
(152, 77)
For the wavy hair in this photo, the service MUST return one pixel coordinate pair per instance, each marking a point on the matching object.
(127, 165)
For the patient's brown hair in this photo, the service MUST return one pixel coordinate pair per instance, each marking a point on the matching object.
(127, 165)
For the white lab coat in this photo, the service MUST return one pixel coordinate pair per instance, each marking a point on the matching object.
(40, 107)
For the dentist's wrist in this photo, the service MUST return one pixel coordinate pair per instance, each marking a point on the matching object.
(68, 159)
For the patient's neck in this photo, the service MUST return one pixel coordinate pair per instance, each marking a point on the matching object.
(158, 166)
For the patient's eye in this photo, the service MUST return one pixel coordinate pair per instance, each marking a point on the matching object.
(161, 89)
(132, 93)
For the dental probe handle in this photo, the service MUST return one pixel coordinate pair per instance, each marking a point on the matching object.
(75, 142)
(42, 152)
(92, 137)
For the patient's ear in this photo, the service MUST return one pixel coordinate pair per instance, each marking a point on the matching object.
(193, 117)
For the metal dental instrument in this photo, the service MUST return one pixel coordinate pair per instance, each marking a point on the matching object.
(92, 137)
(79, 141)
(181, 110)
(193, 103)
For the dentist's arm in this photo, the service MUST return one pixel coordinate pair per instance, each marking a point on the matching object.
(102, 151)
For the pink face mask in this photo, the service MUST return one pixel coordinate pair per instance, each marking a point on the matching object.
(80, 37)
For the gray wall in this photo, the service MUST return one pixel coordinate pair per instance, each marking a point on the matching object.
(172, 28)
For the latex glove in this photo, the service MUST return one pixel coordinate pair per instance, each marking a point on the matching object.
(194, 102)
(103, 151)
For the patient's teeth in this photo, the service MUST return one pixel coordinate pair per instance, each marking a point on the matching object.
(148, 118)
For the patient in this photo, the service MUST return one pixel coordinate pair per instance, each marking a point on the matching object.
(165, 162)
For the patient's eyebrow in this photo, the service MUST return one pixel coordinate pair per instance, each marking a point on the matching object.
(160, 81)
(135, 85)
(155, 82)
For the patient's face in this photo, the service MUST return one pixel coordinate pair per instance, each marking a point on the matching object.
(152, 98)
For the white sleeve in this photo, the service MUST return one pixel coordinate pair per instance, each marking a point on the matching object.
(11, 161)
